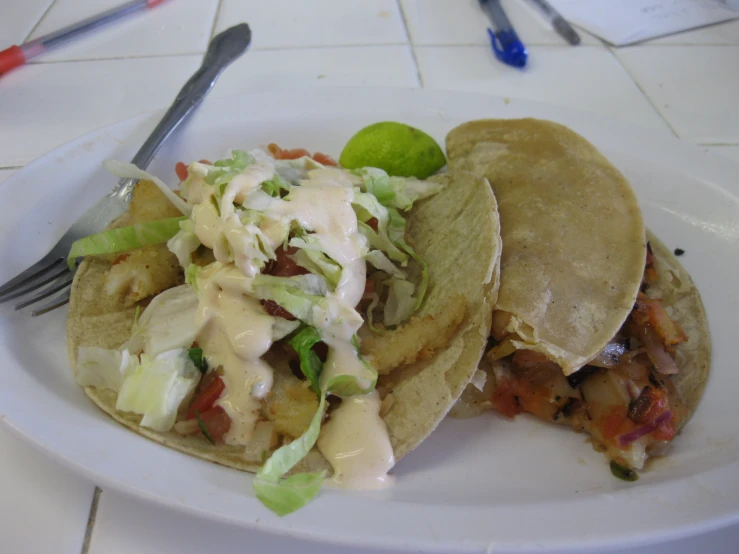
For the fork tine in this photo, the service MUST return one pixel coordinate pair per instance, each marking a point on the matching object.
(42, 280)
(33, 272)
(61, 283)
(53, 304)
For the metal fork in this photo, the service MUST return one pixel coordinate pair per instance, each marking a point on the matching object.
(50, 275)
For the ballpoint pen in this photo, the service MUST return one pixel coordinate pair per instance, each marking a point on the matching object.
(507, 47)
(564, 29)
(18, 55)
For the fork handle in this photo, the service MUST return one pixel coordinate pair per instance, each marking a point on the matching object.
(223, 49)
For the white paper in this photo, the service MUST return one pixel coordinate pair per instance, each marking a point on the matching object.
(622, 22)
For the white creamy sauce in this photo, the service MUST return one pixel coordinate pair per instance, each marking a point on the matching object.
(342, 359)
(356, 444)
(207, 223)
(240, 186)
(168, 321)
(235, 331)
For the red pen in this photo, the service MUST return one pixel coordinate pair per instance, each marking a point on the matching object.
(18, 55)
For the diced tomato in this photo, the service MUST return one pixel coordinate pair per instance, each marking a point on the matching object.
(284, 265)
(324, 159)
(668, 330)
(614, 424)
(651, 403)
(666, 431)
(181, 170)
(650, 271)
(321, 348)
(504, 398)
(649, 311)
(295, 153)
(274, 309)
(209, 390)
(369, 289)
(280, 154)
(216, 421)
(373, 223)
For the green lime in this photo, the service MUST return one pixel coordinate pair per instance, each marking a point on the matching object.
(399, 149)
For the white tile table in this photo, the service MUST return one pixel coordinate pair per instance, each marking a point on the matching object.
(687, 85)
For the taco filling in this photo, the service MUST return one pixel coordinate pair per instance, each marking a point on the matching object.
(255, 359)
(597, 326)
(623, 398)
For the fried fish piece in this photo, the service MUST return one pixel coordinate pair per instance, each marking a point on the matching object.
(417, 339)
(147, 271)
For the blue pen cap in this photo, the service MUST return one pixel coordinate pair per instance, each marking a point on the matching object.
(508, 48)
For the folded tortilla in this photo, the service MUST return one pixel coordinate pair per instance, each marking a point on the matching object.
(456, 232)
(573, 236)
(574, 251)
(681, 298)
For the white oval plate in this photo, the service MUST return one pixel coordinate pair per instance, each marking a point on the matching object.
(474, 485)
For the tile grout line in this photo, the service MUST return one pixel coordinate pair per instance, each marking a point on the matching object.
(91, 521)
(644, 92)
(40, 19)
(403, 17)
(215, 20)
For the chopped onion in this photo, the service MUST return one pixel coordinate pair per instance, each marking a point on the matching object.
(627, 438)
(663, 362)
(187, 427)
(263, 440)
(478, 380)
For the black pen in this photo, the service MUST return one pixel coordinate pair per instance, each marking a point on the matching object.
(558, 22)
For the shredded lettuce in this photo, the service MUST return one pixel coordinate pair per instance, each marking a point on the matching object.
(284, 496)
(282, 327)
(196, 357)
(309, 283)
(367, 207)
(374, 302)
(292, 299)
(311, 257)
(191, 275)
(130, 171)
(124, 239)
(396, 232)
(275, 185)
(184, 243)
(310, 364)
(395, 192)
(224, 170)
(101, 368)
(167, 323)
(400, 303)
(378, 260)
(156, 387)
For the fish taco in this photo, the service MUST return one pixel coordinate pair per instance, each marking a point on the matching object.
(597, 325)
(301, 320)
